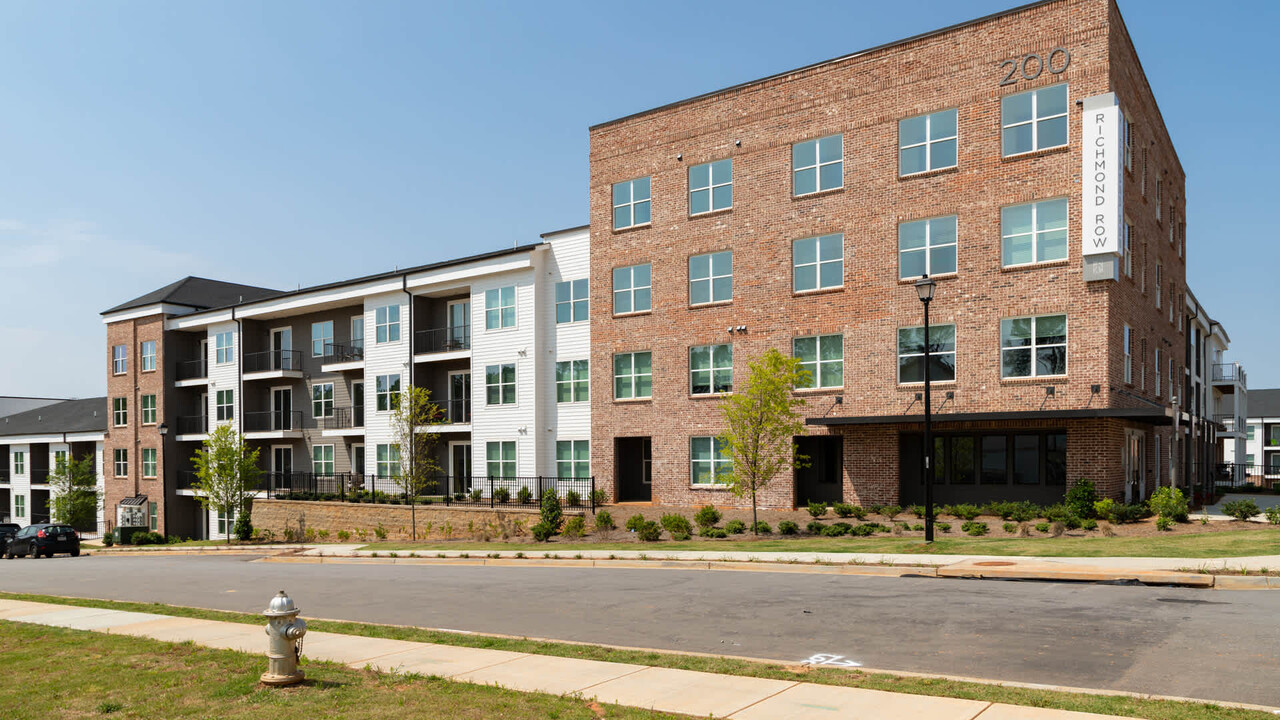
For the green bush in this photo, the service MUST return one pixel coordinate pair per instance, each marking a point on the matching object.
(1273, 514)
(1129, 513)
(477, 495)
(109, 539)
(890, 511)
(598, 497)
(523, 495)
(973, 527)
(1089, 524)
(707, 516)
(677, 525)
(844, 510)
(876, 527)
(863, 530)
(918, 511)
(1042, 527)
(787, 527)
(604, 521)
(762, 528)
(1022, 512)
(997, 508)
(1164, 524)
(1010, 527)
(542, 532)
(836, 529)
(713, 532)
(344, 535)
(735, 527)
(1105, 509)
(814, 527)
(649, 531)
(572, 498)
(575, 527)
(1169, 502)
(1080, 498)
(943, 527)
(635, 522)
(243, 527)
(502, 495)
(456, 496)
(964, 512)
(551, 512)
(817, 509)
(1241, 509)
(918, 527)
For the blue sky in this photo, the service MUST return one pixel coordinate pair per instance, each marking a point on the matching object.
(144, 141)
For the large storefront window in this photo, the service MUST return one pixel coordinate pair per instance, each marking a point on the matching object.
(982, 466)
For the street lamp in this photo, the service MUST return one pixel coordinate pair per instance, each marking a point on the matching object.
(924, 288)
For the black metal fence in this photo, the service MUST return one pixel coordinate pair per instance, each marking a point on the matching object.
(337, 353)
(495, 491)
(192, 370)
(268, 360)
(192, 424)
(272, 420)
(343, 418)
(1244, 476)
(444, 339)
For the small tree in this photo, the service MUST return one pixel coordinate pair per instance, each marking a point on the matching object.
(226, 472)
(75, 492)
(762, 421)
(412, 415)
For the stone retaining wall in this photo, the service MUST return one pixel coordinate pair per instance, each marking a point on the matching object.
(434, 521)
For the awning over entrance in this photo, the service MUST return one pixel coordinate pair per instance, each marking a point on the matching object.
(1151, 416)
(137, 500)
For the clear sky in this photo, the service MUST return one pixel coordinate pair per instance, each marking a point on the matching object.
(290, 143)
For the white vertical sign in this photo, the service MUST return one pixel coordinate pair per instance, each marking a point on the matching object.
(1101, 176)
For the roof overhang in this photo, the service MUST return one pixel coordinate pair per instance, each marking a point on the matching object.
(1151, 416)
(146, 311)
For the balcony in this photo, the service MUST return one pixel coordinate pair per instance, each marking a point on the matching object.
(444, 343)
(40, 476)
(344, 421)
(191, 372)
(270, 364)
(457, 412)
(187, 481)
(269, 424)
(1231, 424)
(197, 425)
(1228, 375)
(338, 358)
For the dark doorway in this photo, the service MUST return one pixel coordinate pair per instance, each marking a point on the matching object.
(633, 463)
(823, 479)
(39, 506)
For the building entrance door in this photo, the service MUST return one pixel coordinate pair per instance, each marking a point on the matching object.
(459, 467)
(633, 467)
(823, 479)
(1133, 460)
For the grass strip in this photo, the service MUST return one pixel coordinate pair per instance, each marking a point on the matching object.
(1080, 702)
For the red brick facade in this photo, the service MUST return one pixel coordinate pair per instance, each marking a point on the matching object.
(135, 436)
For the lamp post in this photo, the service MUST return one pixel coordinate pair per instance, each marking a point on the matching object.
(924, 288)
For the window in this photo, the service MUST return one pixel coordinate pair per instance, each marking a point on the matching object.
(1127, 129)
(357, 332)
(148, 356)
(153, 514)
(1144, 172)
(1034, 120)
(571, 381)
(59, 458)
(927, 247)
(817, 165)
(386, 324)
(573, 459)
(823, 357)
(942, 354)
(631, 289)
(1173, 294)
(1159, 192)
(711, 278)
(500, 308)
(1248, 459)
(388, 461)
(1142, 365)
(1033, 346)
(226, 521)
(500, 384)
(225, 405)
(119, 411)
(1157, 372)
(119, 359)
(1128, 354)
(1126, 247)
(149, 462)
(571, 301)
(1250, 432)
(20, 505)
(632, 375)
(708, 460)
(1034, 233)
(927, 142)
(711, 187)
(500, 458)
(995, 461)
(321, 338)
(222, 352)
(19, 462)
(1172, 388)
(818, 262)
(322, 459)
(1159, 284)
(711, 369)
(631, 203)
(120, 458)
(148, 409)
(322, 400)
(387, 392)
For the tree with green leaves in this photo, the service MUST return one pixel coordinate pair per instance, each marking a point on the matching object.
(762, 420)
(226, 473)
(76, 499)
(412, 416)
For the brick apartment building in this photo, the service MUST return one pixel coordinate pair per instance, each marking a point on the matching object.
(1019, 159)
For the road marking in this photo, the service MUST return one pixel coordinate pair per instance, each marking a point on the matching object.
(829, 659)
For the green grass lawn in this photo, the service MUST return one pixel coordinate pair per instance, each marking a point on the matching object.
(1235, 543)
(242, 691)
(58, 673)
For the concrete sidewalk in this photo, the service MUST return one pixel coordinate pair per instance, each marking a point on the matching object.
(677, 691)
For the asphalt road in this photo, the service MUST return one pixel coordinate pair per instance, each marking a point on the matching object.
(1211, 644)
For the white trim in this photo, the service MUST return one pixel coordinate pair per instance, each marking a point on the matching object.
(147, 311)
(199, 320)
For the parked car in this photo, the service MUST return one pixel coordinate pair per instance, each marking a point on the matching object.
(7, 531)
(44, 539)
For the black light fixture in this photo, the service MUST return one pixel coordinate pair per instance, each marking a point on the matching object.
(164, 429)
(924, 288)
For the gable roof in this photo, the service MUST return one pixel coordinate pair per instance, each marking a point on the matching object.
(1264, 403)
(197, 292)
(86, 415)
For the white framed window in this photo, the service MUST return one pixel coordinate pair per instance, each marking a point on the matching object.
(1033, 232)
(1172, 387)
(222, 348)
(942, 354)
(817, 263)
(1159, 193)
(357, 332)
(224, 404)
(386, 324)
(387, 459)
(19, 462)
(226, 521)
(632, 375)
(1126, 247)
(573, 459)
(20, 505)
(711, 369)
(119, 411)
(571, 301)
(387, 392)
(1127, 128)
(148, 403)
(500, 308)
(822, 356)
(927, 247)
(1173, 297)
(59, 458)
(711, 187)
(322, 459)
(120, 462)
(572, 381)
(1034, 120)
(1128, 354)
(711, 278)
(322, 400)
(1033, 346)
(927, 142)
(709, 460)
(153, 514)
(148, 355)
(119, 359)
(500, 384)
(817, 165)
(1159, 283)
(500, 458)
(632, 289)
(631, 203)
(149, 464)
(321, 338)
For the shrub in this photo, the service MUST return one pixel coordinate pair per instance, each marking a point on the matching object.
(572, 499)
(890, 511)
(762, 528)
(109, 539)
(862, 530)
(787, 527)
(243, 528)
(343, 536)
(676, 525)
(575, 527)
(1080, 498)
(998, 508)
(523, 495)
(707, 516)
(542, 532)
(843, 510)
(817, 509)
(1042, 527)
(876, 527)
(918, 511)
(649, 531)
(735, 527)
(551, 513)
(837, 529)
(918, 527)
(1129, 513)
(477, 495)
(964, 512)
(1273, 514)
(1241, 509)
(1089, 524)
(604, 521)
(1023, 512)
(635, 522)
(975, 528)
(599, 497)
(1057, 529)
(1105, 509)
(458, 496)
(309, 535)
(814, 527)
(502, 495)
(1057, 513)
(1169, 502)
(380, 532)
(1164, 524)
(943, 527)
(1010, 527)
(713, 532)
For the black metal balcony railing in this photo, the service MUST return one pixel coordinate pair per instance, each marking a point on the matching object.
(343, 418)
(192, 370)
(444, 339)
(272, 421)
(192, 424)
(1228, 372)
(40, 476)
(4, 476)
(457, 411)
(269, 360)
(336, 353)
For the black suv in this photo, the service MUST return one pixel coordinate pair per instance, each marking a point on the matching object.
(44, 539)
(7, 531)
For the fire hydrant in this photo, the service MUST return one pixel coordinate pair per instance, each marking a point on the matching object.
(284, 641)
